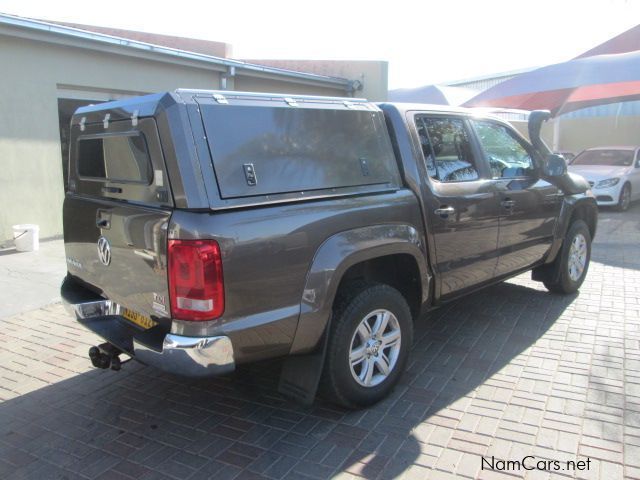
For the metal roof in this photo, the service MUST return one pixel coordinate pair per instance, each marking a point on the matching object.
(250, 68)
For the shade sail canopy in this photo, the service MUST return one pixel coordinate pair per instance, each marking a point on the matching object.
(568, 86)
(433, 94)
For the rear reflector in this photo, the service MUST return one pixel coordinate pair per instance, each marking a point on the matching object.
(196, 286)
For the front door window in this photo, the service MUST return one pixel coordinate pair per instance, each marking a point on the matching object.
(507, 157)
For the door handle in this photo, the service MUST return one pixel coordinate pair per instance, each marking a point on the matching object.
(444, 212)
(508, 203)
(103, 218)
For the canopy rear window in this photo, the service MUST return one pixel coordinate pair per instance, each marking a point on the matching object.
(266, 149)
(115, 158)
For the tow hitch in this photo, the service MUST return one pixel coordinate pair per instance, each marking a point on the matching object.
(106, 356)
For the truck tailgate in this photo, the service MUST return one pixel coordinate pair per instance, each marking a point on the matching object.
(119, 251)
(116, 214)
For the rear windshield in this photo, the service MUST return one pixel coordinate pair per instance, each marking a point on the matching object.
(613, 158)
(267, 150)
(117, 158)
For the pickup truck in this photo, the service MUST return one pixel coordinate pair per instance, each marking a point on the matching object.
(207, 229)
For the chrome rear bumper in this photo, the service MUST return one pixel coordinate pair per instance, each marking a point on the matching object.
(185, 356)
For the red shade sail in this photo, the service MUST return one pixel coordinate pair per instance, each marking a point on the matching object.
(568, 86)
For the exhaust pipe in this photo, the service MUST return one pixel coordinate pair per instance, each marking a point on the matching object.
(106, 356)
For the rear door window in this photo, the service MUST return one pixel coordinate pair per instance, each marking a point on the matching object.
(446, 148)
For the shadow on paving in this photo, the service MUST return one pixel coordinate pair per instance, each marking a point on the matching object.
(617, 242)
(146, 424)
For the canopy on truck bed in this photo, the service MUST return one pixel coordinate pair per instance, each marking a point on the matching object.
(226, 149)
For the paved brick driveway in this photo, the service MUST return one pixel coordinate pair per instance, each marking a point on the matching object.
(509, 372)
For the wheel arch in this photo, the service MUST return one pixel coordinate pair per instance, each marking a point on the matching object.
(575, 207)
(348, 255)
(583, 211)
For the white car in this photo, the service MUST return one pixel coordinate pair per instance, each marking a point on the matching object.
(612, 172)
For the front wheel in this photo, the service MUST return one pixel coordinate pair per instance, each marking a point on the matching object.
(625, 198)
(573, 259)
(370, 338)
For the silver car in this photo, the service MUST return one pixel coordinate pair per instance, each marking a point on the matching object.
(612, 172)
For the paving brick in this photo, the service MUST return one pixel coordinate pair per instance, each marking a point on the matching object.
(281, 467)
(600, 454)
(509, 371)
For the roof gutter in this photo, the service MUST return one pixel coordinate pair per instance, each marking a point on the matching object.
(173, 52)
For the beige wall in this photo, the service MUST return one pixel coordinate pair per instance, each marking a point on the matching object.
(31, 186)
(36, 73)
(546, 132)
(372, 73)
(576, 134)
(253, 84)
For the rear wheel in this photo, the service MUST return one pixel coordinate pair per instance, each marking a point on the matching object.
(573, 259)
(625, 198)
(370, 338)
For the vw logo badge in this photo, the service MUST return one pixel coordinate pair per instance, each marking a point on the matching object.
(104, 251)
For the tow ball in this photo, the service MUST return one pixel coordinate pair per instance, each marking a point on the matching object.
(106, 356)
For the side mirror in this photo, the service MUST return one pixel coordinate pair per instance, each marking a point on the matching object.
(554, 166)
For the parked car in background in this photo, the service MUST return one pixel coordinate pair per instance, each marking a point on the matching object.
(612, 172)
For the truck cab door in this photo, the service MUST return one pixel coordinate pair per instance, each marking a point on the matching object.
(529, 205)
(461, 205)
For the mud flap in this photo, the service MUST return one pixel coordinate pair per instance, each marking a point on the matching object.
(301, 374)
(549, 272)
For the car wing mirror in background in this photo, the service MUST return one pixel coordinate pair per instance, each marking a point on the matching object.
(554, 165)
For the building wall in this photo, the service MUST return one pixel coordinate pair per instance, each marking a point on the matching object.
(546, 132)
(31, 183)
(576, 134)
(31, 186)
(480, 85)
(373, 74)
(254, 84)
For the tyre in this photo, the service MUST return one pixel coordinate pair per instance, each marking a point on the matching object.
(573, 260)
(370, 339)
(625, 198)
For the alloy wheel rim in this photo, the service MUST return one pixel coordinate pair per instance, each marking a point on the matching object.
(626, 198)
(577, 257)
(375, 348)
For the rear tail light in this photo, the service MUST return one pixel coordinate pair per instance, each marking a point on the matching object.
(196, 286)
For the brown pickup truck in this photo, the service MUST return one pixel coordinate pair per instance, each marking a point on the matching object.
(209, 229)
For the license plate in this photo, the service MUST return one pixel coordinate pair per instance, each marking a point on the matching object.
(139, 319)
